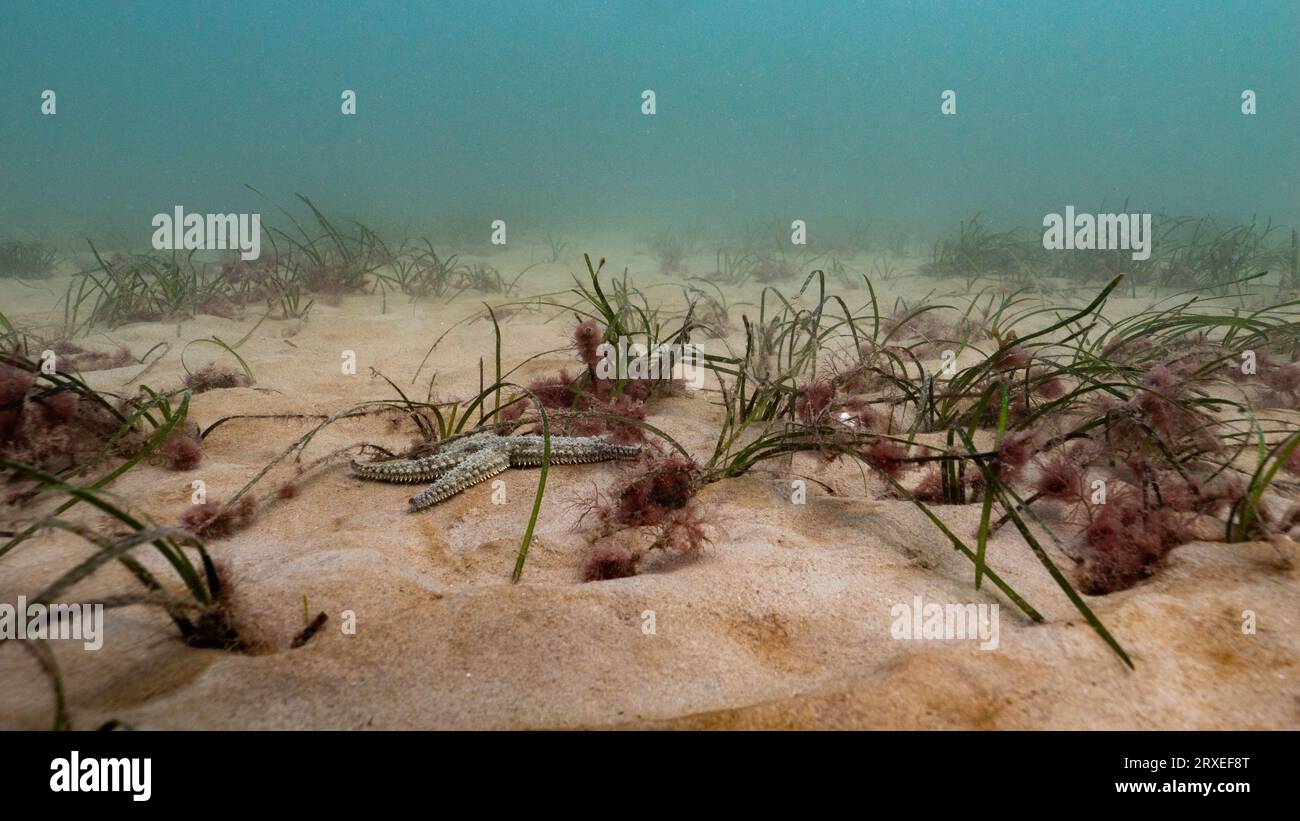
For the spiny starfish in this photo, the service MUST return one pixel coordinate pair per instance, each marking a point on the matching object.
(477, 458)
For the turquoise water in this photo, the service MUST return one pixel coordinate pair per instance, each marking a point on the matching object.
(531, 112)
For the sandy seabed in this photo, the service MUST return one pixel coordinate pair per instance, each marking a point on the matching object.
(783, 622)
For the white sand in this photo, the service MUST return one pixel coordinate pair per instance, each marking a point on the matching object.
(784, 622)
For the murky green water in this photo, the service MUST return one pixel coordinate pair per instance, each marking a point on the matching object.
(532, 113)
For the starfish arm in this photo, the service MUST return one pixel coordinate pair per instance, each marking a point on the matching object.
(526, 451)
(428, 467)
(409, 470)
(478, 467)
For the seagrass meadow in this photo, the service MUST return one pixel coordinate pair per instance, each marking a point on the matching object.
(650, 391)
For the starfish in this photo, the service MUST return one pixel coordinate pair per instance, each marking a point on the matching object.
(477, 458)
